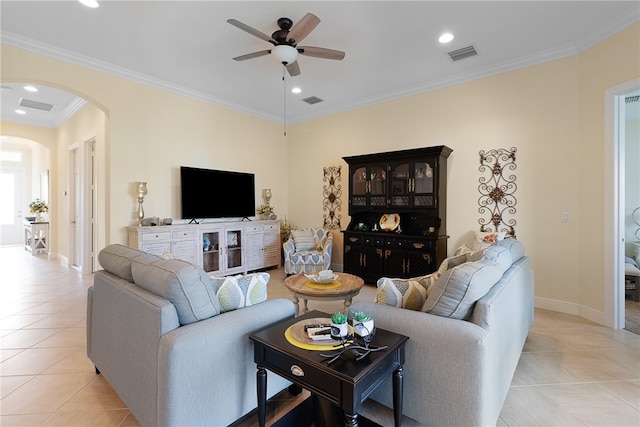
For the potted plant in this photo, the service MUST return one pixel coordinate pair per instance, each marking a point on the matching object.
(339, 325)
(38, 207)
(362, 323)
(266, 211)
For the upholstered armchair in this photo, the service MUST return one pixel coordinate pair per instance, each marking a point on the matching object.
(307, 251)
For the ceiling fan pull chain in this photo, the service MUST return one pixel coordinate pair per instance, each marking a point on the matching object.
(284, 99)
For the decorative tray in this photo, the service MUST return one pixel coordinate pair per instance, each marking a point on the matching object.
(389, 222)
(322, 280)
(298, 334)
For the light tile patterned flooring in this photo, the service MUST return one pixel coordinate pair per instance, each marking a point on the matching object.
(572, 372)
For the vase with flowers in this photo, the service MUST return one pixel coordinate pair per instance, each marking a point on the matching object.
(38, 207)
(266, 211)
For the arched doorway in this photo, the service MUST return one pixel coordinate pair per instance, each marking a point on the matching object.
(76, 202)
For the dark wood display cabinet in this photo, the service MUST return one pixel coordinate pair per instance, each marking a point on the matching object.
(398, 209)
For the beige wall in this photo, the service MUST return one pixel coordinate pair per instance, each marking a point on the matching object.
(552, 113)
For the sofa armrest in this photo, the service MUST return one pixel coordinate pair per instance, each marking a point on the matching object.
(207, 375)
(443, 368)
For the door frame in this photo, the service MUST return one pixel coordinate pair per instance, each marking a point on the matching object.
(85, 195)
(614, 182)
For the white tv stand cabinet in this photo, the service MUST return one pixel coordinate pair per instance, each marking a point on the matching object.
(220, 248)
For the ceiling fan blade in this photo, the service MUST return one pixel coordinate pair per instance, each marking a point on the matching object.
(303, 27)
(293, 69)
(252, 55)
(321, 52)
(251, 30)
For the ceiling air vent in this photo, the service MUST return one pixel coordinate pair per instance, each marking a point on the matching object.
(465, 52)
(312, 100)
(35, 104)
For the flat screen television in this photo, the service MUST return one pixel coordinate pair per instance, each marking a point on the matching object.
(208, 193)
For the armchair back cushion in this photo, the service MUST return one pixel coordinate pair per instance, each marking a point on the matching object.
(308, 251)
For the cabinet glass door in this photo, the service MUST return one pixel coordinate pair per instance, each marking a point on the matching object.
(400, 185)
(423, 184)
(378, 186)
(359, 185)
(234, 248)
(211, 251)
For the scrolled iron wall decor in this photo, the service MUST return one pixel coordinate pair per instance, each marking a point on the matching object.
(497, 190)
(332, 203)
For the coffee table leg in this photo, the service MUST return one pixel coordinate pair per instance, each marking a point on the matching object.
(397, 396)
(306, 306)
(261, 377)
(296, 301)
(347, 304)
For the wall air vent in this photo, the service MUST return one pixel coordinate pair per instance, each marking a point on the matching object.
(465, 52)
(35, 104)
(312, 100)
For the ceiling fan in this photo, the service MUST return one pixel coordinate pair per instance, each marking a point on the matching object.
(285, 42)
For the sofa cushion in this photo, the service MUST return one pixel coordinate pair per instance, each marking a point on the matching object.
(457, 290)
(303, 240)
(187, 287)
(234, 292)
(406, 293)
(117, 259)
(515, 247)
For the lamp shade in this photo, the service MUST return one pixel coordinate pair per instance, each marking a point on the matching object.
(285, 54)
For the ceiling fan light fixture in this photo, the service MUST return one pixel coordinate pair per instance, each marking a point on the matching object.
(285, 54)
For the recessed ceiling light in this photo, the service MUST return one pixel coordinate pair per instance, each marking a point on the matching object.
(30, 88)
(21, 112)
(90, 3)
(296, 90)
(445, 38)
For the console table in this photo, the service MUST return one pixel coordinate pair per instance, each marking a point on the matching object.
(220, 248)
(36, 237)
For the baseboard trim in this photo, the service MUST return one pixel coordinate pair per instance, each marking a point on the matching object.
(571, 308)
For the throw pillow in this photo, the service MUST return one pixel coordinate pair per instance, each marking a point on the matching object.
(235, 292)
(485, 239)
(303, 239)
(451, 262)
(187, 287)
(457, 290)
(405, 293)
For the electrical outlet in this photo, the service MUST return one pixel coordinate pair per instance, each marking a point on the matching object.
(565, 216)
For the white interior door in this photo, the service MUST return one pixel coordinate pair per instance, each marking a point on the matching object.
(12, 190)
(75, 244)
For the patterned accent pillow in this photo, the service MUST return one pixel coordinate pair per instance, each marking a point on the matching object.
(303, 239)
(234, 292)
(406, 293)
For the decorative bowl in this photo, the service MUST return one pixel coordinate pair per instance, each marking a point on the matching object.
(323, 280)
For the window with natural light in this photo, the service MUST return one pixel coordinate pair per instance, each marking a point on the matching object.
(11, 156)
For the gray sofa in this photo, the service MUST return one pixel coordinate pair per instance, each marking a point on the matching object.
(157, 333)
(460, 362)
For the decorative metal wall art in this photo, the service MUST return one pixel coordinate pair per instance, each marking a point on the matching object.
(332, 203)
(497, 190)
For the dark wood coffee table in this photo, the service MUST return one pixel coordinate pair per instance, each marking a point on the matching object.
(345, 383)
